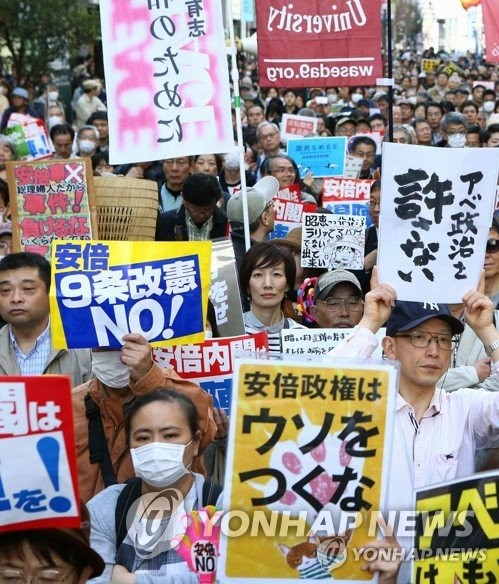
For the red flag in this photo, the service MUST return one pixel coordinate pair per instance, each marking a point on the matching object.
(490, 9)
(317, 43)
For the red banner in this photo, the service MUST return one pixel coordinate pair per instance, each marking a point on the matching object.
(317, 43)
(491, 25)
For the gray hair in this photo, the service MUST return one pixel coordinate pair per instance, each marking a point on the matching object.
(6, 141)
(263, 125)
(88, 127)
(452, 118)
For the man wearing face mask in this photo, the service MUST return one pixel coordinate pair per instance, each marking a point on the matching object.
(99, 408)
(454, 129)
(87, 141)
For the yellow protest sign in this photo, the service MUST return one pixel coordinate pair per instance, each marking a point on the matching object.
(103, 290)
(306, 465)
(457, 537)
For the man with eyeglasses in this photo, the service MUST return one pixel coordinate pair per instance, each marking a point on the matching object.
(337, 300)
(435, 433)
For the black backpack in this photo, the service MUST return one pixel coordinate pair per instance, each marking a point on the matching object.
(133, 490)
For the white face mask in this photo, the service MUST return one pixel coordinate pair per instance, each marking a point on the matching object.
(109, 369)
(54, 120)
(356, 97)
(86, 146)
(488, 106)
(333, 98)
(159, 464)
(53, 95)
(457, 140)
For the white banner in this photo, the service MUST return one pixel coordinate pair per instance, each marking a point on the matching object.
(167, 79)
(436, 210)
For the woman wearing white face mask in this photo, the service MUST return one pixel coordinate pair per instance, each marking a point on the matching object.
(137, 540)
(99, 408)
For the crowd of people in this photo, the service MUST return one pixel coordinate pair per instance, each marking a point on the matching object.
(134, 418)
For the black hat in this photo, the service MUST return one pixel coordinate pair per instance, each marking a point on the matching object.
(407, 315)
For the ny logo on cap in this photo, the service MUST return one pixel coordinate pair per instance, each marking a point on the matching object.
(431, 306)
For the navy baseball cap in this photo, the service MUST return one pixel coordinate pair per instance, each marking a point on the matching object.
(407, 315)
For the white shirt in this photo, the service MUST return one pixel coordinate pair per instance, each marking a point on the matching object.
(440, 446)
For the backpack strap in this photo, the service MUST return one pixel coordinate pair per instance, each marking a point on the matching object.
(211, 492)
(131, 492)
(97, 443)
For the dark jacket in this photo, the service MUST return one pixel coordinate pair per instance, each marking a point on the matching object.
(172, 225)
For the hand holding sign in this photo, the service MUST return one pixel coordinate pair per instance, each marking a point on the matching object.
(136, 353)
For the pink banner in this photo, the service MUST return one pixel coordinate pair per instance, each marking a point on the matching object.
(318, 43)
(491, 25)
(167, 79)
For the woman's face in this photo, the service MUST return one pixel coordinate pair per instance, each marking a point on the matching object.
(267, 286)
(160, 421)
(207, 164)
(25, 565)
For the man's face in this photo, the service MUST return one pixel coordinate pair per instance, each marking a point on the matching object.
(284, 172)
(366, 152)
(18, 103)
(5, 244)
(406, 110)
(255, 116)
(176, 170)
(269, 140)
(423, 133)
(346, 129)
(442, 79)
(24, 299)
(63, 145)
(289, 99)
(421, 368)
(493, 141)
(103, 127)
(340, 316)
(434, 116)
(378, 126)
(470, 114)
(491, 263)
(472, 140)
(199, 214)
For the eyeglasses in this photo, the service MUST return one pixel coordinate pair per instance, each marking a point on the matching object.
(52, 576)
(373, 204)
(492, 245)
(422, 339)
(283, 170)
(352, 303)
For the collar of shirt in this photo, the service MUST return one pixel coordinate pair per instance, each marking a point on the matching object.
(252, 321)
(435, 406)
(34, 362)
(194, 232)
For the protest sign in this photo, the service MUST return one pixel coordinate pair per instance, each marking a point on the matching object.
(293, 126)
(310, 343)
(291, 193)
(311, 445)
(38, 476)
(31, 141)
(429, 65)
(435, 215)
(224, 290)
(103, 290)
(320, 156)
(491, 25)
(333, 241)
(353, 166)
(211, 363)
(51, 199)
(457, 533)
(288, 215)
(167, 78)
(345, 196)
(313, 43)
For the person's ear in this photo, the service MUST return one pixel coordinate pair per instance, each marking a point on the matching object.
(313, 311)
(197, 442)
(389, 347)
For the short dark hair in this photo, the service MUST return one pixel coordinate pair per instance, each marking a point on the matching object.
(4, 191)
(201, 189)
(266, 167)
(469, 103)
(62, 130)
(170, 396)
(434, 104)
(99, 115)
(266, 254)
(362, 140)
(26, 259)
(492, 129)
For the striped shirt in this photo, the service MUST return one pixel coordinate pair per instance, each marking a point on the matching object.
(35, 361)
(252, 325)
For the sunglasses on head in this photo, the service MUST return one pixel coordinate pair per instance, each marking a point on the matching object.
(492, 245)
